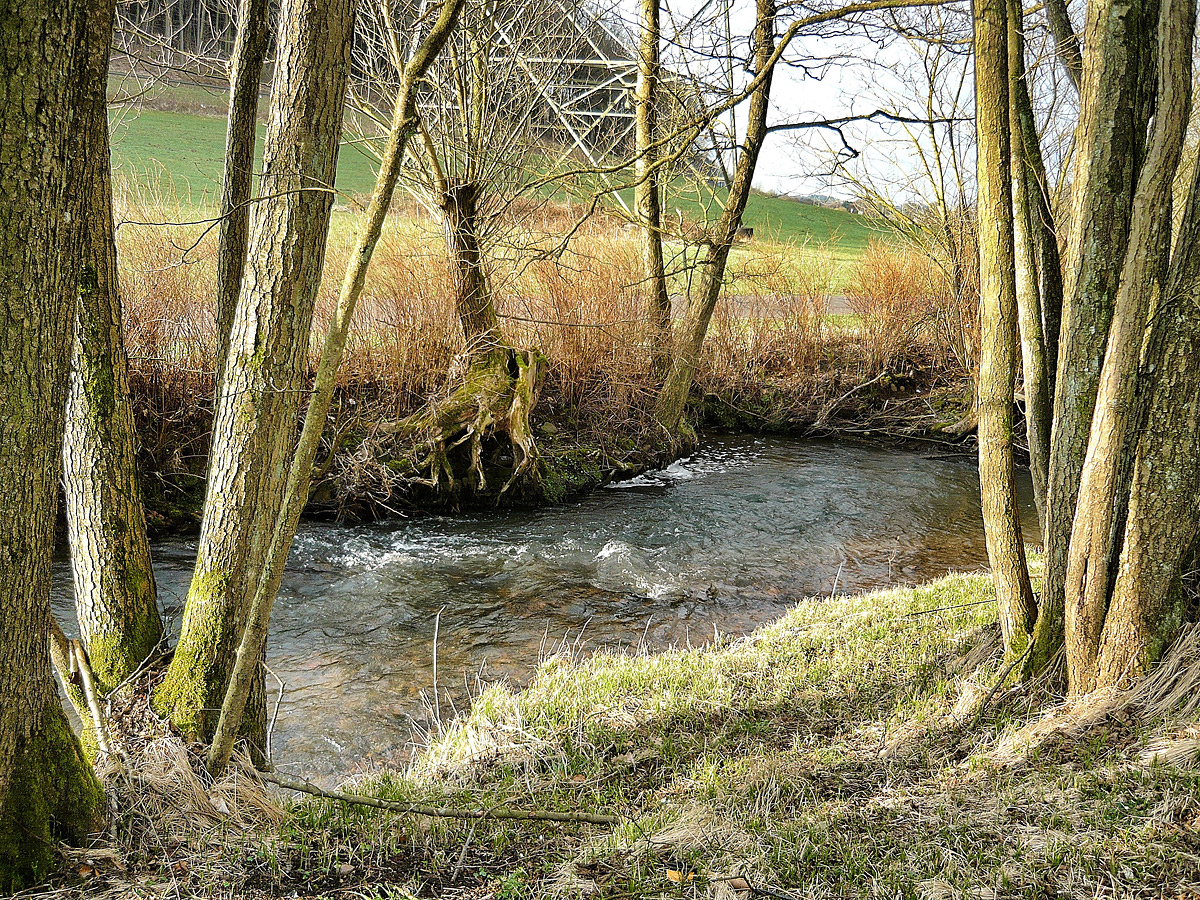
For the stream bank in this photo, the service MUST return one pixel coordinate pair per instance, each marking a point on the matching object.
(856, 747)
(714, 544)
(362, 475)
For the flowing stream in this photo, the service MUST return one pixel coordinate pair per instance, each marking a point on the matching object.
(726, 541)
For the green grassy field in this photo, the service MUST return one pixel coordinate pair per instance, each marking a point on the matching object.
(181, 150)
(184, 152)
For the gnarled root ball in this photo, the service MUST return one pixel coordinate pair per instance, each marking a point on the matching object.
(475, 437)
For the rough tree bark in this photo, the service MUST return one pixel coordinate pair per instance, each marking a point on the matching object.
(115, 596)
(47, 789)
(249, 52)
(472, 290)
(258, 398)
(1146, 608)
(1098, 526)
(998, 328)
(647, 194)
(253, 638)
(1109, 150)
(672, 398)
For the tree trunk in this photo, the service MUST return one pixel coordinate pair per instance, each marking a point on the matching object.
(1065, 40)
(249, 51)
(1164, 506)
(472, 292)
(647, 199)
(115, 596)
(1028, 293)
(1097, 529)
(47, 789)
(672, 398)
(998, 328)
(254, 635)
(1109, 150)
(258, 399)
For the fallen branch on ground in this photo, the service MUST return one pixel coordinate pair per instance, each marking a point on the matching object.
(495, 812)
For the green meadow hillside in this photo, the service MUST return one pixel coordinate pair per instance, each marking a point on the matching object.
(176, 147)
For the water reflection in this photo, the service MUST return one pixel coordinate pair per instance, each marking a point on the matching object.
(727, 539)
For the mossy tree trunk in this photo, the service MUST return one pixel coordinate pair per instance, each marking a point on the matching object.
(492, 386)
(647, 194)
(258, 397)
(1122, 512)
(246, 65)
(1160, 537)
(998, 328)
(689, 339)
(115, 596)
(254, 633)
(1104, 482)
(47, 789)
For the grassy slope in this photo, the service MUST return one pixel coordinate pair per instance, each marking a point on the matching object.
(186, 151)
(184, 146)
(819, 757)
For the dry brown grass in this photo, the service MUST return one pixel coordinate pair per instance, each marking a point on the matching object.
(911, 312)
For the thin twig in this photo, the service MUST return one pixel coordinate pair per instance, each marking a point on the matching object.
(495, 812)
(275, 711)
(836, 579)
(999, 682)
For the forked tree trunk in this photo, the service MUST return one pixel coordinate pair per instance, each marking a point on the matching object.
(647, 194)
(254, 634)
(1109, 150)
(258, 399)
(998, 329)
(1098, 526)
(249, 51)
(47, 789)
(672, 398)
(115, 596)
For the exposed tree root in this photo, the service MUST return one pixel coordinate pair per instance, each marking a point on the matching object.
(491, 392)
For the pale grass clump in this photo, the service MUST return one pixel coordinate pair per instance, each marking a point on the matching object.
(585, 310)
(892, 291)
(166, 278)
(405, 332)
